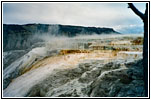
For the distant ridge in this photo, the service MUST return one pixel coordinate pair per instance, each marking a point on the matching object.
(19, 36)
(67, 30)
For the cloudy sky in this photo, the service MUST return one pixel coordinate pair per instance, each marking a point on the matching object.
(116, 15)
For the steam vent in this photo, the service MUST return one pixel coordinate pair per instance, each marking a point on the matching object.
(42, 60)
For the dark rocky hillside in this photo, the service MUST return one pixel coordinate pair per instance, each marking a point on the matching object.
(18, 37)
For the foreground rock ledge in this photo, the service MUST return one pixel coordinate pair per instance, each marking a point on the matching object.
(92, 79)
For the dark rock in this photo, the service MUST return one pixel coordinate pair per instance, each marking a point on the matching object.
(19, 37)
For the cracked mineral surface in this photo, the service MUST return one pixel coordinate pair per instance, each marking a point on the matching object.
(84, 66)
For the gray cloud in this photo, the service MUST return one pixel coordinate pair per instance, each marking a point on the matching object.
(87, 14)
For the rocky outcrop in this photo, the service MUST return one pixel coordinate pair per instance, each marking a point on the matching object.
(69, 68)
(19, 66)
(93, 79)
(21, 37)
(10, 56)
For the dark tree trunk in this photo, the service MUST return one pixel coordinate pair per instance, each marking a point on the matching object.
(144, 17)
(145, 56)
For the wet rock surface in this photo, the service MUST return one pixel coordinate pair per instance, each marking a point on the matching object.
(94, 80)
(24, 63)
(76, 67)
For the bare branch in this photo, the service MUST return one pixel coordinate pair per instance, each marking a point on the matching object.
(136, 11)
(146, 11)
